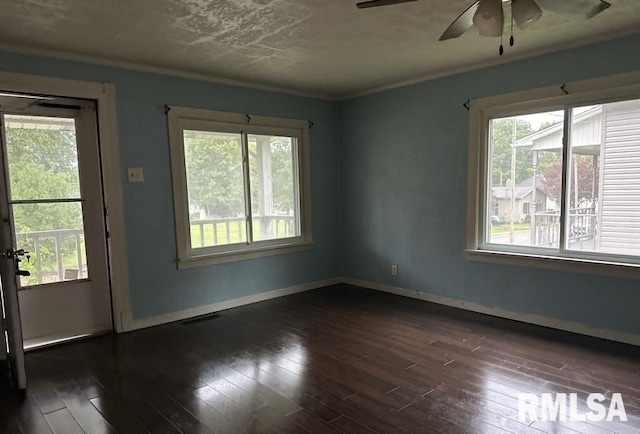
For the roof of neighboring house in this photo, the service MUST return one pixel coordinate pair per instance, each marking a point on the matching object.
(585, 141)
(521, 190)
(558, 127)
(505, 192)
(529, 182)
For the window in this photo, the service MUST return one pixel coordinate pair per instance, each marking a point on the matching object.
(241, 185)
(555, 174)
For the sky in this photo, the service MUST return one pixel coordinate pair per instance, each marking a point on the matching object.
(538, 119)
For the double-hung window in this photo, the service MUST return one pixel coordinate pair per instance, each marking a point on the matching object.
(555, 176)
(241, 185)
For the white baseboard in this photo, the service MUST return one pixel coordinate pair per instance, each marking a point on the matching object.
(569, 326)
(180, 315)
(574, 327)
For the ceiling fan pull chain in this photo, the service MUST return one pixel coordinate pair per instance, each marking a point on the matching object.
(511, 39)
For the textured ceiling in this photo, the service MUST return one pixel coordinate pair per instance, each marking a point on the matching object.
(322, 47)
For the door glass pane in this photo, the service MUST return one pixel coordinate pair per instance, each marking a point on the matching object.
(604, 179)
(42, 157)
(525, 182)
(53, 235)
(274, 195)
(215, 188)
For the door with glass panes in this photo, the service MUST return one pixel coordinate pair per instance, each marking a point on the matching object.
(53, 212)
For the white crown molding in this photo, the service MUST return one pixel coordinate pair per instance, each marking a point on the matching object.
(96, 60)
(529, 318)
(508, 58)
(252, 85)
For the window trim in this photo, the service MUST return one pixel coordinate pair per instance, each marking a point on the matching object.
(596, 91)
(179, 119)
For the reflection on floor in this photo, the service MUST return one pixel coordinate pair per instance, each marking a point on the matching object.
(339, 359)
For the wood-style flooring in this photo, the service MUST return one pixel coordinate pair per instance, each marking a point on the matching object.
(338, 359)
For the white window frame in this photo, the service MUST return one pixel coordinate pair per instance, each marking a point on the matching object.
(184, 118)
(588, 92)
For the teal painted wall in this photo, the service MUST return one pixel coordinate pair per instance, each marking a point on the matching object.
(157, 286)
(403, 164)
(391, 190)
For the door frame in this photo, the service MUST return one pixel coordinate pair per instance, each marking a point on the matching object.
(105, 96)
(3, 348)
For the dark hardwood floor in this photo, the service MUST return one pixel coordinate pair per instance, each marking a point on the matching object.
(339, 359)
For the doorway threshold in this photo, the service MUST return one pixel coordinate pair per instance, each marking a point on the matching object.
(45, 342)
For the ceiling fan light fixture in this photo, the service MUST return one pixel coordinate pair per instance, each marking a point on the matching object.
(489, 18)
(525, 12)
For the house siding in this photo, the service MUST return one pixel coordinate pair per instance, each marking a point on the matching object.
(586, 132)
(620, 212)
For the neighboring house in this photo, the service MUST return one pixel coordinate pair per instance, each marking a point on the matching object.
(524, 197)
(611, 135)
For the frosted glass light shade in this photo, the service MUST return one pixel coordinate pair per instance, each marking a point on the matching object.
(489, 18)
(525, 12)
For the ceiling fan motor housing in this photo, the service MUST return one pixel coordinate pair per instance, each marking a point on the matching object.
(489, 18)
(525, 12)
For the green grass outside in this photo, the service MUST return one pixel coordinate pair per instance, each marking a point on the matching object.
(237, 233)
(69, 261)
(506, 227)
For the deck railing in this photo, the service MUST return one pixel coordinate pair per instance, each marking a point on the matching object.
(58, 255)
(213, 232)
(582, 226)
(55, 255)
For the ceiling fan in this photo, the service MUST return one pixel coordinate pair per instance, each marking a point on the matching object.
(487, 16)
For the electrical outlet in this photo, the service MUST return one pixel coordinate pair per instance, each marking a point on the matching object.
(394, 270)
(135, 174)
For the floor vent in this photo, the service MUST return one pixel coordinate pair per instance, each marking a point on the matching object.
(201, 318)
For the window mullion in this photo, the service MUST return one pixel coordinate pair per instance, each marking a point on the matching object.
(566, 165)
(486, 169)
(297, 182)
(247, 187)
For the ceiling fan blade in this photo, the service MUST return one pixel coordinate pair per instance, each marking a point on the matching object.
(587, 8)
(603, 6)
(375, 3)
(461, 24)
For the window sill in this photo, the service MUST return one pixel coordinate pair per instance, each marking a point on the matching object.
(243, 255)
(575, 265)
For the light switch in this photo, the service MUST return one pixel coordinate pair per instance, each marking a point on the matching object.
(136, 174)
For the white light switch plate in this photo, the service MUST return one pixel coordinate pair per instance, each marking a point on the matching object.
(136, 174)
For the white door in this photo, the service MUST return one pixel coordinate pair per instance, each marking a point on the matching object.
(53, 209)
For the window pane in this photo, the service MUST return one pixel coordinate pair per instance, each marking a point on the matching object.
(274, 196)
(525, 167)
(42, 157)
(53, 234)
(604, 179)
(215, 188)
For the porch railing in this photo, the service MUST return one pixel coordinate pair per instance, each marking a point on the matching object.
(582, 226)
(208, 232)
(55, 255)
(58, 255)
